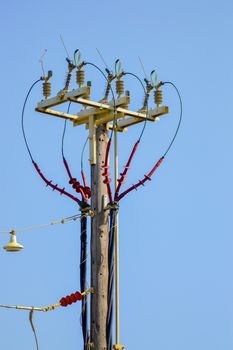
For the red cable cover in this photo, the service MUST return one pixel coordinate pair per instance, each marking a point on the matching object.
(67, 168)
(83, 190)
(55, 187)
(84, 178)
(106, 174)
(141, 182)
(121, 180)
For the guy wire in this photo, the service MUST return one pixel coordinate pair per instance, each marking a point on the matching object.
(36, 227)
(143, 69)
(63, 43)
(102, 58)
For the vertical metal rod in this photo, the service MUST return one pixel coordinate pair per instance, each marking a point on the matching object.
(92, 140)
(117, 311)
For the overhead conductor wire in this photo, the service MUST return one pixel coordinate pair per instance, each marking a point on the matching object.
(148, 176)
(121, 180)
(48, 183)
(83, 190)
(180, 117)
(22, 116)
(36, 227)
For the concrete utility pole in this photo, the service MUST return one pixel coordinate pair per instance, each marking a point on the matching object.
(99, 244)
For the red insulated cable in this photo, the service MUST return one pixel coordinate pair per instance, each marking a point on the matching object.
(84, 178)
(75, 184)
(121, 180)
(106, 174)
(83, 190)
(55, 187)
(141, 182)
(86, 189)
(67, 168)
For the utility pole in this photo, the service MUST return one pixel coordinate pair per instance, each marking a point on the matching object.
(98, 118)
(99, 244)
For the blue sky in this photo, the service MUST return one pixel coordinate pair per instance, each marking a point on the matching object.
(176, 233)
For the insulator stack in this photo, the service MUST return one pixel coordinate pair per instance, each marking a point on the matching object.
(46, 89)
(120, 87)
(70, 299)
(80, 77)
(158, 97)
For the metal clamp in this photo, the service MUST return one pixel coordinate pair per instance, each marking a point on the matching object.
(118, 347)
(113, 205)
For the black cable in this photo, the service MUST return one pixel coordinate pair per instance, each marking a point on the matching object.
(83, 279)
(180, 117)
(63, 138)
(140, 81)
(82, 154)
(64, 132)
(113, 95)
(111, 245)
(22, 117)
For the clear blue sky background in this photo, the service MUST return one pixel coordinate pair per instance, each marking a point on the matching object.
(176, 233)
